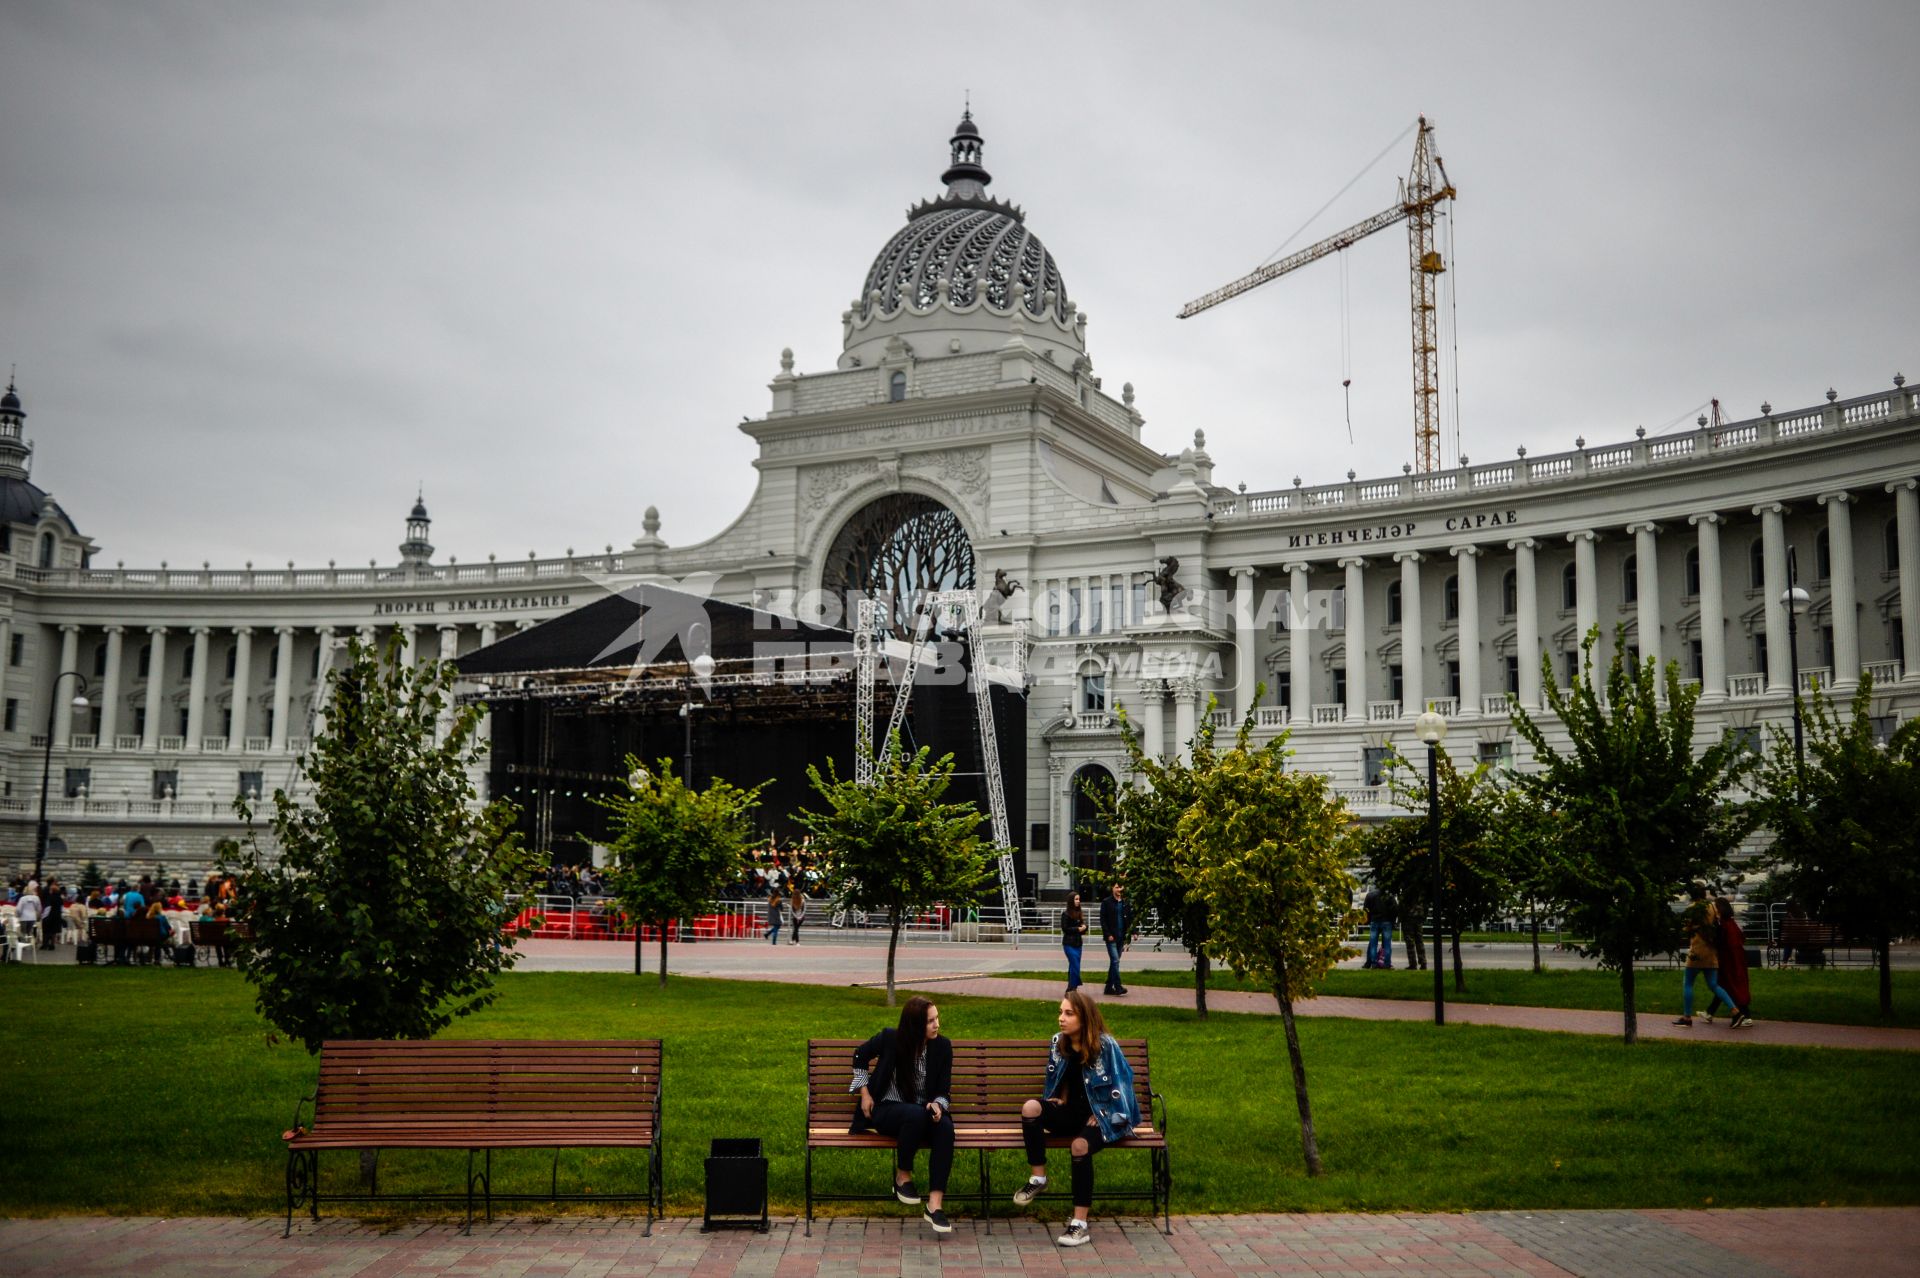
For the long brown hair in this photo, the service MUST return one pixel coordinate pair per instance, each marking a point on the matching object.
(909, 1044)
(1074, 910)
(1086, 1044)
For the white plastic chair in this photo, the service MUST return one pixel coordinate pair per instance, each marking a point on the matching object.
(22, 942)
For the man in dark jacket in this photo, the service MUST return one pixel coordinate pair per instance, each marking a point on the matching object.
(1116, 929)
(1382, 913)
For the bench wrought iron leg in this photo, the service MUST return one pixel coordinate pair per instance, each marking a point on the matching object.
(656, 1185)
(986, 1192)
(303, 1184)
(809, 1191)
(489, 1186)
(468, 1228)
(553, 1190)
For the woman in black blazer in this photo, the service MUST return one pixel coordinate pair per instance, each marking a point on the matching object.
(902, 1077)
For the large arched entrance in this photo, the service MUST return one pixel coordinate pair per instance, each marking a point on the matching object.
(1092, 849)
(897, 549)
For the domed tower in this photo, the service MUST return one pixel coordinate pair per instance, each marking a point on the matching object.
(416, 550)
(24, 508)
(962, 276)
(16, 454)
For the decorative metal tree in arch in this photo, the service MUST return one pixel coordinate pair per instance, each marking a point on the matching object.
(898, 549)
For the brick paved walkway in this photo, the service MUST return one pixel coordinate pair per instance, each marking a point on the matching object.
(1740, 1244)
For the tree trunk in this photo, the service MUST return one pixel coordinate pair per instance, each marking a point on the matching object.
(1309, 1144)
(893, 946)
(1626, 995)
(663, 953)
(1885, 950)
(1416, 950)
(1459, 973)
(1200, 966)
(1533, 909)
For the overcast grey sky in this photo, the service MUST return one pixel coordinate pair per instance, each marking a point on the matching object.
(265, 266)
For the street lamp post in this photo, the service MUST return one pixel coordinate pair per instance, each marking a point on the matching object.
(1796, 600)
(46, 766)
(638, 780)
(1432, 729)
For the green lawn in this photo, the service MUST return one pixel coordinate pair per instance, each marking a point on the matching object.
(156, 1092)
(1837, 997)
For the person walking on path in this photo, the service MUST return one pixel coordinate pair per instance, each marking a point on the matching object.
(799, 910)
(1073, 935)
(1702, 925)
(902, 1076)
(1731, 949)
(775, 904)
(1088, 1096)
(1115, 930)
(1382, 913)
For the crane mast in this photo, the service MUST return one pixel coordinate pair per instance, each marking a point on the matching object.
(1426, 186)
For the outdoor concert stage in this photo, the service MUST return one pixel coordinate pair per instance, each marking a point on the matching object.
(573, 698)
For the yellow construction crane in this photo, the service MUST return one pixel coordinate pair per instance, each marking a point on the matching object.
(1426, 186)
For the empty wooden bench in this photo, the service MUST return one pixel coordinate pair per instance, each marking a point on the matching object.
(479, 1096)
(991, 1079)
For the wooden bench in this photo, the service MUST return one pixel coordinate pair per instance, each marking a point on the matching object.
(124, 933)
(1820, 945)
(991, 1079)
(479, 1096)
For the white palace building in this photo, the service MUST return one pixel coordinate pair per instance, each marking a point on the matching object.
(964, 393)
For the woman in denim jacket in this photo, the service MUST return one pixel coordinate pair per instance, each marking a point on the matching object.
(1089, 1096)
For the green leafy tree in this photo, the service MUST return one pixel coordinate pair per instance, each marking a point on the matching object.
(387, 910)
(1266, 849)
(1143, 820)
(1473, 869)
(897, 847)
(673, 848)
(1529, 834)
(1641, 813)
(91, 878)
(1848, 847)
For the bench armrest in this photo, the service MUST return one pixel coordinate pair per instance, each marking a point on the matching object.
(1160, 1113)
(296, 1128)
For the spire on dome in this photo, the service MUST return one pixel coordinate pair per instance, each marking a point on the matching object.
(416, 549)
(965, 177)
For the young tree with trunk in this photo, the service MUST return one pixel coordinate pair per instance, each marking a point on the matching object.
(1641, 813)
(896, 847)
(1267, 851)
(385, 908)
(1473, 867)
(1847, 826)
(673, 847)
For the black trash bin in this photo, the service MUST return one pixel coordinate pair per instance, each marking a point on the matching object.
(736, 1185)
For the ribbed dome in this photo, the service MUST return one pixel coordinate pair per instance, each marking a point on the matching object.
(979, 245)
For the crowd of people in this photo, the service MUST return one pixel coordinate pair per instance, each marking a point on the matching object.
(45, 910)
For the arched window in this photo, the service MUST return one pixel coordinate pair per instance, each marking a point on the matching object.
(1510, 592)
(1450, 599)
(1822, 556)
(1892, 539)
(1693, 571)
(1757, 564)
(46, 550)
(1093, 690)
(1630, 579)
(897, 387)
(1393, 603)
(1569, 588)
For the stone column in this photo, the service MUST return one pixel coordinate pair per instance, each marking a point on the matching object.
(1773, 545)
(449, 648)
(409, 647)
(1186, 701)
(1466, 561)
(1646, 572)
(1413, 648)
(282, 689)
(1906, 512)
(1846, 626)
(1713, 605)
(1243, 643)
(322, 671)
(6, 652)
(1153, 725)
(1060, 802)
(489, 632)
(62, 693)
(197, 688)
(110, 688)
(1526, 610)
(156, 686)
(242, 686)
(1586, 595)
(1300, 646)
(1356, 638)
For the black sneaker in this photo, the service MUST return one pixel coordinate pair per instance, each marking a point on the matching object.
(938, 1219)
(1029, 1191)
(906, 1193)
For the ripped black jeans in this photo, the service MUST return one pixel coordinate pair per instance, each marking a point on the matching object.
(1070, 1119)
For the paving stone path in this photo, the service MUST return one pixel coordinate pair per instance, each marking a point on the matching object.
(1784, 1243)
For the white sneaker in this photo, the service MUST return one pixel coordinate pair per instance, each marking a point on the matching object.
(1029, 1191)
(1077, 1235)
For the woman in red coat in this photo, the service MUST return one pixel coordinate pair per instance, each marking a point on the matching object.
(1732, 947)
